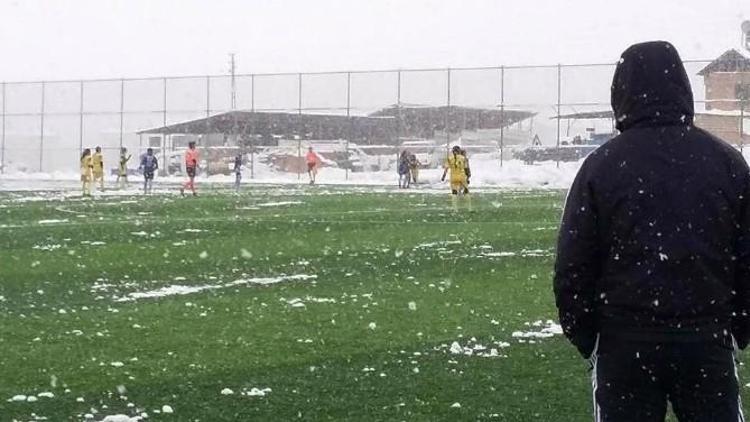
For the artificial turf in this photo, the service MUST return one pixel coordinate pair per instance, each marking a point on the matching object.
(398, 277)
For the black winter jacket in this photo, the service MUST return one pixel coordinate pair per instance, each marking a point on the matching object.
(655, 237)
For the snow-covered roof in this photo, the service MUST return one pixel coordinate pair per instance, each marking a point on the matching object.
(730, 61)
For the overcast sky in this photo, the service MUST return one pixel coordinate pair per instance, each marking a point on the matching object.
(51, 39)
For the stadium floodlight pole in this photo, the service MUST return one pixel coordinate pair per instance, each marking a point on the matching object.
(122, 109)
(2, 144)
(348, 118)
(41, 131)
(559, 99)
(502, 113)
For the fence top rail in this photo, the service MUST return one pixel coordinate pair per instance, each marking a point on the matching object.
(321, 73)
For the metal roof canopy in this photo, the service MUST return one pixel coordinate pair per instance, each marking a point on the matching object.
(605, 114)
(410, 120)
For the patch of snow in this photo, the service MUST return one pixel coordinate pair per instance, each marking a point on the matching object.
(53, 221)
(256, 392)
(548, 329)
(279, 204)
(179, 290)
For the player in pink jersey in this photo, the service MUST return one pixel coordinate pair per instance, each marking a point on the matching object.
(191, 165)
(312, 161)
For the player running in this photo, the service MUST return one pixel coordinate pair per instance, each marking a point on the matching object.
(86, 170)
(457, 165)
(191, 166)
(122, 170)
(313, 161)
(149, 165)
(237, 172)
(98, 162)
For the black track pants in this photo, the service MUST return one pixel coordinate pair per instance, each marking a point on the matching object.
(634, 380)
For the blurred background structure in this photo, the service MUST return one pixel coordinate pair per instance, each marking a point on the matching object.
(356, 121)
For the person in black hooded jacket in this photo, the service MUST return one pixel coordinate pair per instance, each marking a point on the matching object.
(652, 276)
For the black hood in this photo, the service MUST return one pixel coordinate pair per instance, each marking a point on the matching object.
(651, 88)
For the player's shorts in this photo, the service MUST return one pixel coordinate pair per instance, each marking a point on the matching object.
(458, 185)
(85, 178)
(190, 171)
(310, 166)
(148, 175)
(98, 175)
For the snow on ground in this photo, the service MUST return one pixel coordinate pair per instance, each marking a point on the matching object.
(485, 168)
(180, 290)
(538, 330)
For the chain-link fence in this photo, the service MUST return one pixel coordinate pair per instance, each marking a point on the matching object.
(357, 121)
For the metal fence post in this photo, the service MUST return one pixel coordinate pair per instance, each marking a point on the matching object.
(2, 143)
(742, 124)
(502, 114)
(163, 148)
(80, 123)
(448, 114)
(208, 97)
(122, 110)
(252, 120)
(399, 120)
(559, 99)
(208, 114)
(348, 117)
(41, 132)
(299, 114)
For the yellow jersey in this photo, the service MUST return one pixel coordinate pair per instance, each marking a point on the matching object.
(98, 162)
(86, 163)
(456, 164)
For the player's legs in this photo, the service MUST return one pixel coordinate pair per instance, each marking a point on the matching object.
(99, 176)
(467, 196)
(705, 386)
(628, 381)
(455, 188)
(86, 185)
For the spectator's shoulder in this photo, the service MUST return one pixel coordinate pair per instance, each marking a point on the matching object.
(722, 150)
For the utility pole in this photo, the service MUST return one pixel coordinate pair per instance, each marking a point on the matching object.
(232, 71)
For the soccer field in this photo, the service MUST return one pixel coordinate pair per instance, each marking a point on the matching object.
(284, 304)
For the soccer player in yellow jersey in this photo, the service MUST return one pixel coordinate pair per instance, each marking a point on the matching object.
(98, 161)
(456, 164)
(86, 169)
